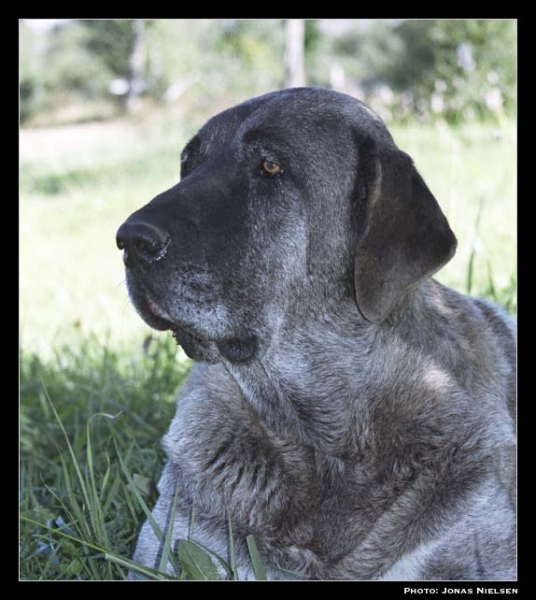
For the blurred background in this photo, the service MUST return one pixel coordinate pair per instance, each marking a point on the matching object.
(105, 109)
(74, 71)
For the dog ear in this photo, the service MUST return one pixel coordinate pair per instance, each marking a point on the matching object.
(402, 235)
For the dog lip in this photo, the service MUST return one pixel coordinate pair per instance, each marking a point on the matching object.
(150, 312)
(157, 317)
(155, 310)
(162, 321)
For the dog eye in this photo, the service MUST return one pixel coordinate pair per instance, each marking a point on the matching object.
(271, 168)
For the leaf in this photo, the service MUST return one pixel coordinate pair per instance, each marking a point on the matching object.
(223, 563)
(258, 567)
(196, 562)
(142, 483)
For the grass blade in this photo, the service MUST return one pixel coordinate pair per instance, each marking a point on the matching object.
(96, 514)
(255, 556)
(491, 285)
(137, 567)
(166, 550)
(295, 574)
(234, 568)
(192, 522)
(76, 466)
(139, 498)
(470, 266)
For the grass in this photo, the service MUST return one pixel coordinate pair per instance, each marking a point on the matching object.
(87, 416)
(97, 386)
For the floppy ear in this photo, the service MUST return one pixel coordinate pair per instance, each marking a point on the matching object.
(402, 235)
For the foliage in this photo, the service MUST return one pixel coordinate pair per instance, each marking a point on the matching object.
(217, 58)
(110, 41)
(448, 69)
(76, 61)
(72, 66)
(469, 66)
(32, 92)
(452, 69)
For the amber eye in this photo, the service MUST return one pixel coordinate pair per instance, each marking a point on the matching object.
(271, 168)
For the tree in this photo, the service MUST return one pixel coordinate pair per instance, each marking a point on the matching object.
(31, 85)
(136, 66)
(294, 53)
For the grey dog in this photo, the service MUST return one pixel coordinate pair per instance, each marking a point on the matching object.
(351, 413)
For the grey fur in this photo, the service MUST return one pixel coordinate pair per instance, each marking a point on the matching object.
(352, 413)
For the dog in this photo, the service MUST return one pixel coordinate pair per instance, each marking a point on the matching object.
(347, 410)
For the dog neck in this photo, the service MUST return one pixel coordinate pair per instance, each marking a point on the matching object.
(285, 383)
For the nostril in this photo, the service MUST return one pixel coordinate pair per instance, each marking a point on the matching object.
(144, 247)
(147, 247)
(141, 242)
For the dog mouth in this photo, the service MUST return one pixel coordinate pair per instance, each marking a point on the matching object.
(161, 321)
(157, 318)
(160, 317)
(237, 349)
(153, 314)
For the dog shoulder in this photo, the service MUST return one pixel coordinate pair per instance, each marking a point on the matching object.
(475, 335)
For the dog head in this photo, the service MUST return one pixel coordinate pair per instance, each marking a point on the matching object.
(287, 203)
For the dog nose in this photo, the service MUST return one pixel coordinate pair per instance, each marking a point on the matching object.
(141, 242)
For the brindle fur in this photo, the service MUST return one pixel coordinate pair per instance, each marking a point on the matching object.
(353, 414)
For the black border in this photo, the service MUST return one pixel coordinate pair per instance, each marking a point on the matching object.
(522, 585)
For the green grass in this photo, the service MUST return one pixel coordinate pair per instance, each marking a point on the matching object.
(84, 413)
(97, 386)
